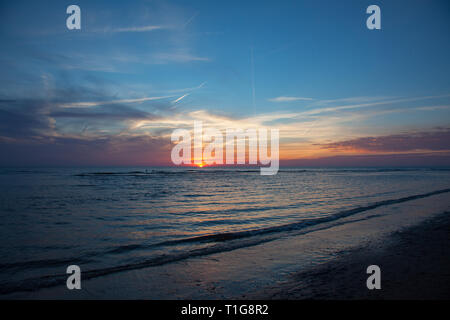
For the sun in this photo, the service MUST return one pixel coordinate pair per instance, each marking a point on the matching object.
(200, 165)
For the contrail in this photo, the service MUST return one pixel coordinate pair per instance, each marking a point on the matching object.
(190, 20)
(183, 96)
(252, 66)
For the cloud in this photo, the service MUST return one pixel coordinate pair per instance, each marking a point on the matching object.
(179, 57)
(201, 85)
(108, 112)
(57, 112)
(289, 99)
(22, 119)
(419, 141)
(379, 160)
(40, 132)
(92, 124)
(99, 103)
(369, 104)
(100, 150)
(137, 29)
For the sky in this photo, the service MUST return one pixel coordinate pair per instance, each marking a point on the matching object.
(112, 92)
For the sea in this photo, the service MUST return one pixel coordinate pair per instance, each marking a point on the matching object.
(110, 220)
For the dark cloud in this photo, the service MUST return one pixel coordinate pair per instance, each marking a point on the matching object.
(109, 112)
(23, 118)
(26, 117)
(391, 160)
(434, 141)
(47, 132)
(107, 150)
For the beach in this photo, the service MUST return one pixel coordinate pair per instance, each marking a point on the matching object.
(414, 263)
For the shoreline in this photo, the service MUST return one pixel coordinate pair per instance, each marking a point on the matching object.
(325, 261)
(414, 263)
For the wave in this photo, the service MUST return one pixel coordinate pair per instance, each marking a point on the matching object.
(15, 266)
(167, 172)
(256, 170)
(221, 242)
(298, 225)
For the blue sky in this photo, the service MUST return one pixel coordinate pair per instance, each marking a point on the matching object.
(140, 69)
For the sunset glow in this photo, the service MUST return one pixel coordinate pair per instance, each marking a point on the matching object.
(116, 99)
(218, 156)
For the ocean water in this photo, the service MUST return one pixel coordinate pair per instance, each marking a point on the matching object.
(108, 220)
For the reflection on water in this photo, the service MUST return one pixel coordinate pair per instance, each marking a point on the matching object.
(105, 219)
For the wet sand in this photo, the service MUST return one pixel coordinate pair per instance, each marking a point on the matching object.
(414, 262)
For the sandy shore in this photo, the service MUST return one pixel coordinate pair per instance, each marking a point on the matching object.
(414, 262)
